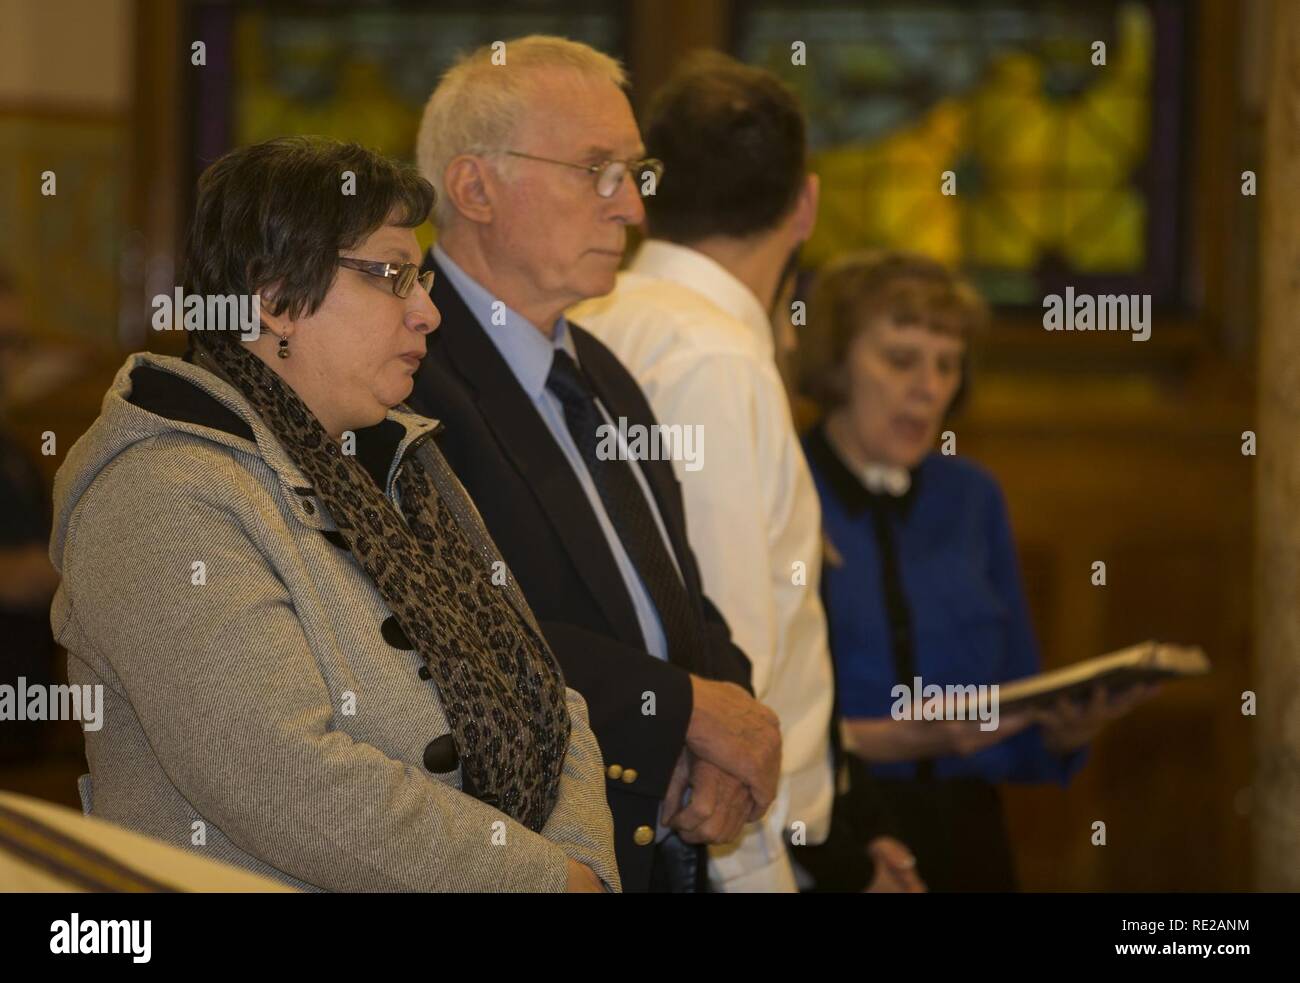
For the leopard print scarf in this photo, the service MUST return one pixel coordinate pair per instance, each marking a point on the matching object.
(501, 689)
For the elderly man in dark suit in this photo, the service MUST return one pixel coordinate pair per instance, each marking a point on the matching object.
(534, 152)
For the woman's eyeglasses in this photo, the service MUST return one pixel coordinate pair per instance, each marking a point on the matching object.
(609, 174)
(404, 276)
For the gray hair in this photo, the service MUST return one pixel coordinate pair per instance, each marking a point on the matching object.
(479, 102)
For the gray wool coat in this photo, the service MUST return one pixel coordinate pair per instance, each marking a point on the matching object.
(258, 705)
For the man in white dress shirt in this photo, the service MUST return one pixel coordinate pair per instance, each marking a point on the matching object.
(690, 320)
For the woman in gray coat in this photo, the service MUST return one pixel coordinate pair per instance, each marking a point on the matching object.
(314, 662)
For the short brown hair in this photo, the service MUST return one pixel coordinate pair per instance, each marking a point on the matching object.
(856, 289)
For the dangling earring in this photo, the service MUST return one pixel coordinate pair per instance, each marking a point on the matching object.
(283, 350)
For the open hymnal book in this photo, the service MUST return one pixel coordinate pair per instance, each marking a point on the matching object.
(1117, 671)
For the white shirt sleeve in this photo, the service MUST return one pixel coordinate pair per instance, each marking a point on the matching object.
(730, 496)
(726, 496)
(753, 521)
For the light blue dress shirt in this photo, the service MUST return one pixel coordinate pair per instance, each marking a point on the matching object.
(529, 354)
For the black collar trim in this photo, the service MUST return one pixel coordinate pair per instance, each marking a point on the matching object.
(177, 398)
(851, 493)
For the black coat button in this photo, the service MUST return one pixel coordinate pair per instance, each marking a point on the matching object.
(393, 633)
(441, 755)
(424, 673)
(308, 507)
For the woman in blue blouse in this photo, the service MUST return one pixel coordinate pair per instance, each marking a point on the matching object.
(921, 577)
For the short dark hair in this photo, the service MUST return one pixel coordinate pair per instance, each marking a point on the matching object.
(275, 213)
(734, 145)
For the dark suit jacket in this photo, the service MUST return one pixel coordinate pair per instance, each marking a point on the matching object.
(536, 511)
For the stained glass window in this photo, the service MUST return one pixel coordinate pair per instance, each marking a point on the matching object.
(1059, 125)
(355, 72)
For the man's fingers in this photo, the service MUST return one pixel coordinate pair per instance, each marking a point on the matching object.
(752, 753)
(676, 789)
(689, 819)
(753, 774)
(728, 804)
(718, 828)
(704, 800)
(738, 808)
(762, 801)
(760, 771)
(693, 838)
(763, 789)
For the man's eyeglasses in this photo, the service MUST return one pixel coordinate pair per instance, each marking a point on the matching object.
(404, 276)
(608, 174)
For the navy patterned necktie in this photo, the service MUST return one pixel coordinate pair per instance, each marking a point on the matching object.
(628, 511)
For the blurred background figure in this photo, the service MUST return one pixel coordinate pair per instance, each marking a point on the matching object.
(27, 579)
(922, 581)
